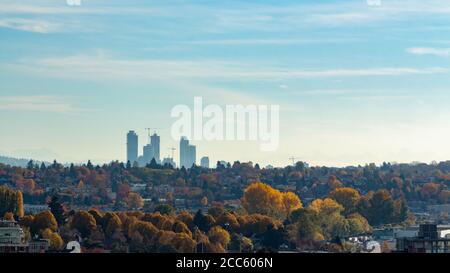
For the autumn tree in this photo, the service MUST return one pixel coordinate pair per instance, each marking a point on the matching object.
(44, 220)
(240, 243)
(228, 220)
(135, 201)
(187, 218)
(180, 227)
(84, 222)
(291, 202)
(378, 208)
(183, 243)
(358, 224)
(216, 211)
(143, 236)
(306, 228)
(55, 240)
(111, 223)
(263, 199)
(329, 218)
(164, 209)
(349, 198)
(219, 237)
(256, 224)
(11, 201)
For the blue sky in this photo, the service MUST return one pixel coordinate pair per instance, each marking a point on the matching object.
(355, 83)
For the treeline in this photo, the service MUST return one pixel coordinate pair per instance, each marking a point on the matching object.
(269, 220)
(92, 185)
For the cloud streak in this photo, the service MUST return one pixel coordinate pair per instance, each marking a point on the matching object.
(30, 25)
(439, 52)
(37, 104)
(102, 68)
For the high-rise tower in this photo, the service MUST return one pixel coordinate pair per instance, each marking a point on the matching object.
(155, 141)
(132, 147)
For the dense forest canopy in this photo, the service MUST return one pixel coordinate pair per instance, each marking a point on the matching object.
(295, 206)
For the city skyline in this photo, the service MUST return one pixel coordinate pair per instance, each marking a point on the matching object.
(151, 150)
(354, 83)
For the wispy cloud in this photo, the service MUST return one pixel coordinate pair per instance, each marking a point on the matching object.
(37, 104)
(15, 8)
(103, 67)
(440, 52)
(338, 19)
(269, 41)
(31, 25)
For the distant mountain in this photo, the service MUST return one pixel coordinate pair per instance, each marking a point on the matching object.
(19, 162)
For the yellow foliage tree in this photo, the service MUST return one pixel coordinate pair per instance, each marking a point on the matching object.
(325, 206)
(263, 199)
(347, 197)
(291, 202)
(219, 236)
(55, 241)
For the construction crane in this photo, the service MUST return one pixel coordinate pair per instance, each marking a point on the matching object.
(173, 150)
(293, 159)
(152, 128)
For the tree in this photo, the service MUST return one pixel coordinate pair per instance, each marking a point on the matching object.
(135, 200)
(57, 210)
(274, 237)
(19, 211)
(219, 236)
(84, 222)
(44, 220)
(187, 218)
(444, 197)
(400, 210)
(9, 216)
(89, 165)
(143, 236)
(378, 208)
(30, 165)
(329, 217)
(348, 198)
(216, 211)
(164, 209)
(29, 185)
(263, 199)
(228, 221)
(325, 206)
(430, 191)
(180, 227)
(358, 224)
(123, 189)
(55, 240)
(306, 228)
(201, 221)
(291, 202)
(240, 243)
(333, 182)
(183, 243)
(204, 201)
(11, 201)
(111, 224)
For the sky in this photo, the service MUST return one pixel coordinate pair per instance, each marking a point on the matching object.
(356, 83)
